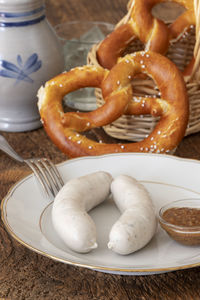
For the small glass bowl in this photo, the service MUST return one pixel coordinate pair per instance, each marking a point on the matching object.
(187, 234)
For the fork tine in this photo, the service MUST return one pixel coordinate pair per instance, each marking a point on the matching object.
(48, 171)
(53, 172)
(47, 178)
(40, 176)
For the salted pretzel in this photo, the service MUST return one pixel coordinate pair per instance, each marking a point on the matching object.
(64, 128)
(152, 32)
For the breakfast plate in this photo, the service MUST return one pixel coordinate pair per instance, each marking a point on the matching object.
(27, 214)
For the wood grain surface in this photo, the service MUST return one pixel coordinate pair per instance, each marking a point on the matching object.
(27, 275)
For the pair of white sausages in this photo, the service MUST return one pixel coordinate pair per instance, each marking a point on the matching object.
(132, 231)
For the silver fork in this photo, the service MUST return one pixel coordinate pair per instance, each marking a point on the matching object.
(45, 171)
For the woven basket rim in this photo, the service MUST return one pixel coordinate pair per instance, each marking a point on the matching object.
(195, 74)
(126, 128)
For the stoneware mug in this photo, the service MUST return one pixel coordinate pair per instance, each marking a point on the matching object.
(30, 54)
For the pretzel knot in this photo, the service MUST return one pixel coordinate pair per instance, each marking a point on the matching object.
(152, 32)
(172, 106)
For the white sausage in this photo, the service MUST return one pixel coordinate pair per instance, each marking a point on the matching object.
(69, 213)
(137, 224)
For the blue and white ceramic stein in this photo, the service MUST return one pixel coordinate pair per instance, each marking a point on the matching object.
(30, 54)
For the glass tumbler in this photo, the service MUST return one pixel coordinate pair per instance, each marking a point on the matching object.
(77, 38)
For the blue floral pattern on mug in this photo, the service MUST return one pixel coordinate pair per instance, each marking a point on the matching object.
(21, 71)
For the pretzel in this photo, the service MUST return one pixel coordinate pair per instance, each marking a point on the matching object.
(152, 32)
(64, 128)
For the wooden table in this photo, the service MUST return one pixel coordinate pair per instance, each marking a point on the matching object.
(27, 275)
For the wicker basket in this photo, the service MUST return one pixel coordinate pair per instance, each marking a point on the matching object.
(136, 128)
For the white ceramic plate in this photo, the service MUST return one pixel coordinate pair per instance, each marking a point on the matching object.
(27, 214)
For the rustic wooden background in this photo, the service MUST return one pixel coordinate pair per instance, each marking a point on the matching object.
(27, 275)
